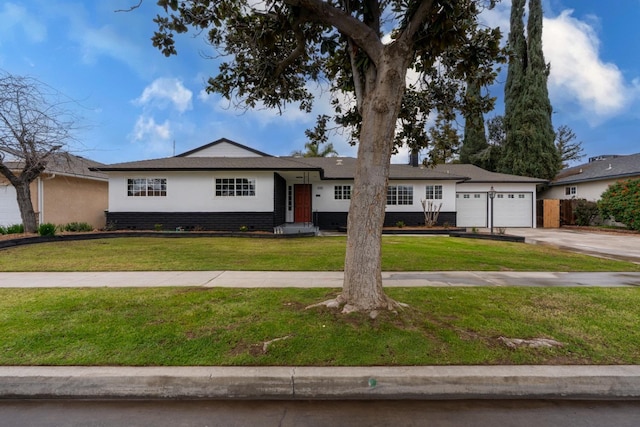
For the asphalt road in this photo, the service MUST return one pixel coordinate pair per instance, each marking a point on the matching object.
(476, 413)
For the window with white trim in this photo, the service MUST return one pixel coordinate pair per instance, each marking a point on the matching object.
(235, 187)
(342, 192)
(434, 192)
(146, 187)
(400, 195)
(571, 191)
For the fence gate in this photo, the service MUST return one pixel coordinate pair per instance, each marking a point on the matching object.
(551, 213)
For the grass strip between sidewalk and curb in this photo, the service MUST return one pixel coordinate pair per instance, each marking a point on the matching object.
(399, 253)
(269, 327)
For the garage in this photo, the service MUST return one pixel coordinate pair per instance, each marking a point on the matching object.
(9, 211)
(510, 209)
(471, 209)
(513, 209)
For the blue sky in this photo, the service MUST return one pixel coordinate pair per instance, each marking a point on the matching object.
(135, 103)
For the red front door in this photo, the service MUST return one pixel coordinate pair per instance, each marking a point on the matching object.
(302, 194)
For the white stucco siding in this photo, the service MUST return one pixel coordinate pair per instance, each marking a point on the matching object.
(323, 196)
(583, 190)
(419, 193)
(192, 192)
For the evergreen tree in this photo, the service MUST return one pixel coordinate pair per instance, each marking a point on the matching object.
(529, 148)
(569, 149)
(445, 141)
(475, 140)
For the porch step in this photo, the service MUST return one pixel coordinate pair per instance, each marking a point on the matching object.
(296, 228)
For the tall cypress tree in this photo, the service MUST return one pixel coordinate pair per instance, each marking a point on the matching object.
(475, 140)
(529, 148)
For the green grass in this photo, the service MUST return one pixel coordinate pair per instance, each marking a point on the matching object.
(195, 326)
(400, 253)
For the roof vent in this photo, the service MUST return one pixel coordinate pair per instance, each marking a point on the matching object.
(580, 170)
(609, 168)
(338, 162)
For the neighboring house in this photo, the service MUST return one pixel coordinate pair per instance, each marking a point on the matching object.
(225, 185)
(67, 191)
(590, 180)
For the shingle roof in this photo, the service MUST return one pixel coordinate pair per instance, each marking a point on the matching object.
(476, 174)
(209, 163)
(329, 167)
(607, 168)
(70, 165)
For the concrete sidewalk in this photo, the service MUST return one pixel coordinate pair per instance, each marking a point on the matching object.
(334, 383)
(302, 279)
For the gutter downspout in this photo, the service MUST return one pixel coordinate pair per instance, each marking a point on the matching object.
(41, 197)
(40, 201)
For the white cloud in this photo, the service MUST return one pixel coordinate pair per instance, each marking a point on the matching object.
(164, 90)
(577, 72)
(14, 16)
(146, 130)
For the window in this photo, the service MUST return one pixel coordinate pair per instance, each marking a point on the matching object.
(238, 187)
(512, 196)
(434, 192)
(400, 195)
(342, 192)
(143, 187)
(500, 196)
(570, 191)
(520, 196)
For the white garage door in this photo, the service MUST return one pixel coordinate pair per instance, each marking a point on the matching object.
(9, 211)
(513, 210)
(471, 209)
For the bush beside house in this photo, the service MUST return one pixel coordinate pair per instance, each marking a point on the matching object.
(621, 201)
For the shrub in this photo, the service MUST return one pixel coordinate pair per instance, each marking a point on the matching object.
(585, 212)
(621, 201)
(78, 226)
(3, 230)
(15, 229)
(47, 229)
(158, 227)
(400, 224)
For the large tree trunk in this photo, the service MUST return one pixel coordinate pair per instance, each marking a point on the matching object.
(23, 196)
(362, 288)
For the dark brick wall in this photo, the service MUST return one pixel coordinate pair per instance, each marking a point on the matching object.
(334, 220)
(217, 221)
(279, 200)
(330, 220)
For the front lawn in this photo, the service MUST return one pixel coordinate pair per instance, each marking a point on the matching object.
(261, 327)
(400, 253)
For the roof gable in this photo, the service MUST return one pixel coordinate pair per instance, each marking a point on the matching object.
(223, 148)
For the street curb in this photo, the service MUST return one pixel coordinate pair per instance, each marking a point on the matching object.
(322, 383)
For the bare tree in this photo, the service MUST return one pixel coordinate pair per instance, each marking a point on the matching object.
(34, 125)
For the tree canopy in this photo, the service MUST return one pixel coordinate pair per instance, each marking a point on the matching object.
(274, 51)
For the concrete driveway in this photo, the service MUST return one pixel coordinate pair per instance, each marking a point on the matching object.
(608, 245)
